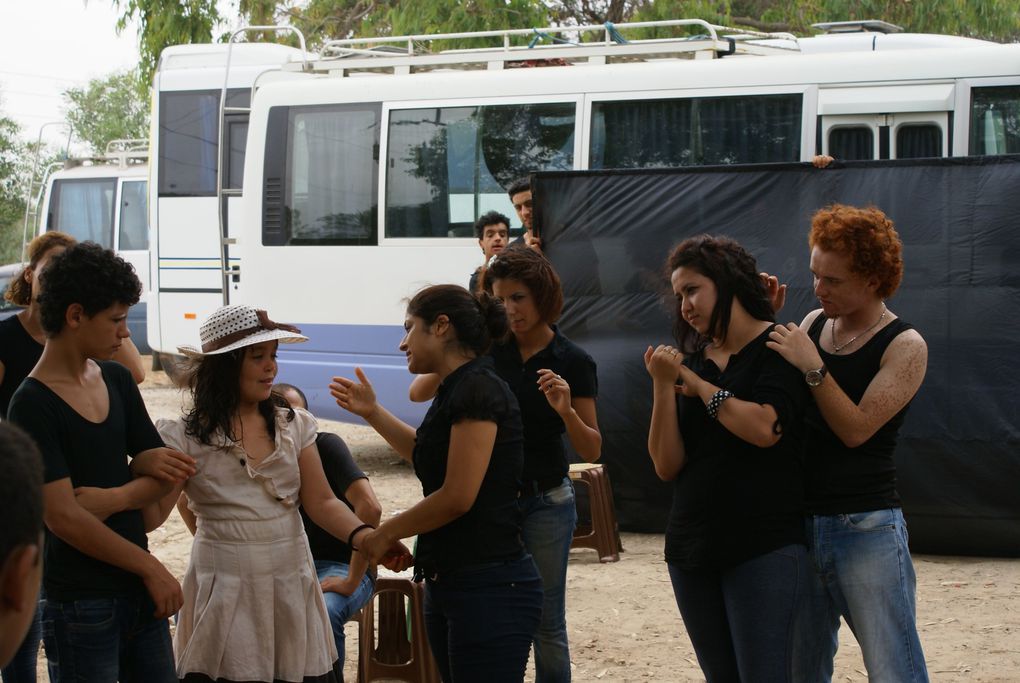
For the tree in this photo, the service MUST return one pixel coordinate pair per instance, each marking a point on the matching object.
(12, 207)
(108, 109)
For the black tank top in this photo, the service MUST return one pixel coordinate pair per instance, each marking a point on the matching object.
(839, 478)
(19, 353)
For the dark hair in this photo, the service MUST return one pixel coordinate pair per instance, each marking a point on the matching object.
(216, 395)
(522, 184)
(535, 271)
(19, 292)
(477, 321)
(88, 275)
(867, 237)
(490, 218)
(735, 274)
(282, 388)
(21, 482)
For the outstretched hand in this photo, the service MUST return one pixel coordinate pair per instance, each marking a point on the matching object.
(379, 548)
(164, 464)
(356, 397)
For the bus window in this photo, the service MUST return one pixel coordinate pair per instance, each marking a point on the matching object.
(695, 131)
(852, 143)
(915, 141)
(134, 225)
(237, 138)
(83, 209)
(995, 120)
(447, 166)
(327, 158)
(188, 140)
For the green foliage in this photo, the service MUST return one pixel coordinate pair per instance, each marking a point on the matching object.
(108, 109)
(12, 208)
(167, 22)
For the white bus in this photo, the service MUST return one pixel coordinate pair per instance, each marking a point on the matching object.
(104, 199)
(364, 169)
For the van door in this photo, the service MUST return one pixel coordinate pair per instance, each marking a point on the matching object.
(132, 245)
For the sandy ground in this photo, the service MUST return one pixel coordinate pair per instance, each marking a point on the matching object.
(622, 619)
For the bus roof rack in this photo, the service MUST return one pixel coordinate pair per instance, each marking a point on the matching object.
(862, 26)
(563, 45)
(119, 153)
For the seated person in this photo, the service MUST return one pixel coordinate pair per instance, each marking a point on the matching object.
(346, 584)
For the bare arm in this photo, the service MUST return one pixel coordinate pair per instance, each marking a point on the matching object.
(142, 494)
(186, 514)
(900, 374)
(578, 415)
(423, 387)
(749, 421)
(368, 509)
(665, 444)
(471, 443)
(128, 356)
(80, 529)
(358, 397)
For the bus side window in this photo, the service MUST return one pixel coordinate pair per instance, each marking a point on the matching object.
(995, 120)
(447, 166)
(134, 226)
(918, 140)
(852, 143)
(740, 129)
(84, 209)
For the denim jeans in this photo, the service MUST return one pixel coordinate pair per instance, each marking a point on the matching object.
(547, 527)
(743, 620)
(106, 640)
(481, 621)
(21, 668)
(342, 607)
(863, 571)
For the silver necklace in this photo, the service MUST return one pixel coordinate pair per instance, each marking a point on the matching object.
(836, 348)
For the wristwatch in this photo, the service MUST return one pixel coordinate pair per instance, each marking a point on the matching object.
(815, 377)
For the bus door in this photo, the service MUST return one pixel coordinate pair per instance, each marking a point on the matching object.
(131, 235)
(886, 122)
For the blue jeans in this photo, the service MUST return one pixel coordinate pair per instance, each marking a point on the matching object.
(743, 620)
(862, 571)
(547, 527)
(21, 668)
(481, 621)
(107, 640)
(342, 607)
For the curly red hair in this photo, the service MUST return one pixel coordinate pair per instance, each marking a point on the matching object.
(867, 237)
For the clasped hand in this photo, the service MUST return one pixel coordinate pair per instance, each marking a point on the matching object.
(379, 548)
(666, 365)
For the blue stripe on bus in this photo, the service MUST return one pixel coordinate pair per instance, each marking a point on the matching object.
(335, 350)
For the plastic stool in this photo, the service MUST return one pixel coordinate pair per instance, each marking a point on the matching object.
(400, 652)
(604, 534)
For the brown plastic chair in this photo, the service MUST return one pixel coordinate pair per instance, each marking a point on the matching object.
(604, 533)
(399, 648)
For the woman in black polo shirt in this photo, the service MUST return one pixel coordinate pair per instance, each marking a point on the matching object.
(483, 593)
(726, 428)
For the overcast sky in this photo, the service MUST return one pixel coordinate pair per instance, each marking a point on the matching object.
(51, 45)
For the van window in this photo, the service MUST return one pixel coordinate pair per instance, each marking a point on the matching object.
(189, 124)
(447, 166)
(914, 141)
(83, 209)
(695, 131)
(995, 120)
(320, 175)
(134, 224)
(852, 143)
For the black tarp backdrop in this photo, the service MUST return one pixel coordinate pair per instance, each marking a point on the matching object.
(608, 234)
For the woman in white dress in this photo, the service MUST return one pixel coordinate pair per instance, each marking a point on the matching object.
(253, 609)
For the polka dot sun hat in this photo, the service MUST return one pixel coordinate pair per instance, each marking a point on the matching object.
(233, 327)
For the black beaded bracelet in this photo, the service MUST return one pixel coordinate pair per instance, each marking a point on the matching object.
(716, 402)
(350, 539)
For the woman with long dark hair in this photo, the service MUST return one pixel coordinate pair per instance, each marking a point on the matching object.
(253, 609)
(483, 596)
(726, 430)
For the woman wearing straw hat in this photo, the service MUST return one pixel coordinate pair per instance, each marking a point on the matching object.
(253, 609)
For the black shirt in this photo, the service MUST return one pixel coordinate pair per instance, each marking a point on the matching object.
(490, 530)
(341, 471)
(545, 454)
(732, 500)
(19, 353)
(91, 454)
(843, 479)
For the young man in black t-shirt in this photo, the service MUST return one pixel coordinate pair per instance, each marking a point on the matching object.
(107, 598)
(493, 232)
(346, 579)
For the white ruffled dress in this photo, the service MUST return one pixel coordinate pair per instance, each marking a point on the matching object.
(253, 609)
